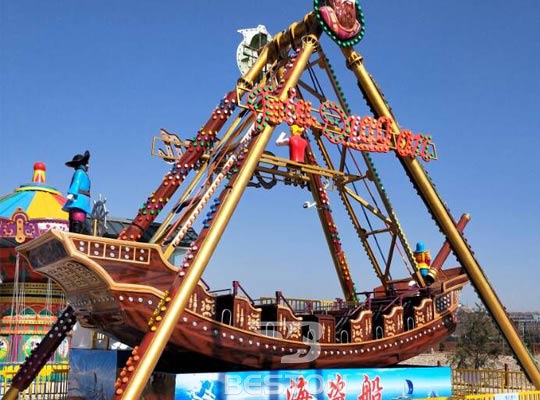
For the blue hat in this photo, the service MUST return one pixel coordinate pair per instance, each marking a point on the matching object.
(420, 247)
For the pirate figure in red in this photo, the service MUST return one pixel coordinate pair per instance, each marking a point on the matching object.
(296, 142)
(78, 197)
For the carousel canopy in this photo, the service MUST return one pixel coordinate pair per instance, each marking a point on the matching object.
(31, 210)
(36, 200)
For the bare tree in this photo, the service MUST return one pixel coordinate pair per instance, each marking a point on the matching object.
(478, 340)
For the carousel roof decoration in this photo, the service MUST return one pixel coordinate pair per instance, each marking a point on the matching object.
(32, 209)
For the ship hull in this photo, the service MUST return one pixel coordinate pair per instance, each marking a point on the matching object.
(115, 287)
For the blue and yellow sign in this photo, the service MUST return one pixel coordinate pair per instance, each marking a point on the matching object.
(327, 384)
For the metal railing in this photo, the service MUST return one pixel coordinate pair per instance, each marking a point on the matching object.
(306, 306)
(50, 384)
(522, 395)
(479, 382)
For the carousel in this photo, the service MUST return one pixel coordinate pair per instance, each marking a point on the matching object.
(29, 302)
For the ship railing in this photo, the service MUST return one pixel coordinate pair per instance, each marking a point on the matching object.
(337, 306)
(205, 285)
(281, 300)
(310, 306)
(220, 292)
(383, 305)
(399, 297)
(351, 313)
(234, 291)
(238, 288)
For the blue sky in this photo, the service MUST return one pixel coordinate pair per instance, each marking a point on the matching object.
(107, 75)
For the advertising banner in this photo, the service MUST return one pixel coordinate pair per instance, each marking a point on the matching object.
(328, 384)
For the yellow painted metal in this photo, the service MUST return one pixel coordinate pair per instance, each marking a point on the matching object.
(393, 220)
(467, 381)
(367, 206)
(51, 383)
(340, 184)
(302, 167)
(177, 305)
(446, 223)
(158, 235)
(11, 394)
(527, 395)
(206, 168)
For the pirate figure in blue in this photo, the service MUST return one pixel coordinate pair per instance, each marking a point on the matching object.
(78, 197)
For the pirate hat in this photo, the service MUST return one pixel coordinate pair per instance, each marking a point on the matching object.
(79, 159)
(420, 247)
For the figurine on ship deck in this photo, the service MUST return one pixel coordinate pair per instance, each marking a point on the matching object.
(78, 197)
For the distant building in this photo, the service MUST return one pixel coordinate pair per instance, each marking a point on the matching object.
(525, 317)
(527, 323)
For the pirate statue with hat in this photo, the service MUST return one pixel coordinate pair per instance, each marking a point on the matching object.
(78, 197)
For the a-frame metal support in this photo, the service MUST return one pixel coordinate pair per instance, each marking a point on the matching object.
(155, 341)
(446, 224)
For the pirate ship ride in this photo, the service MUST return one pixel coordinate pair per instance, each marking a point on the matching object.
(129, 290)
(123, 287)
